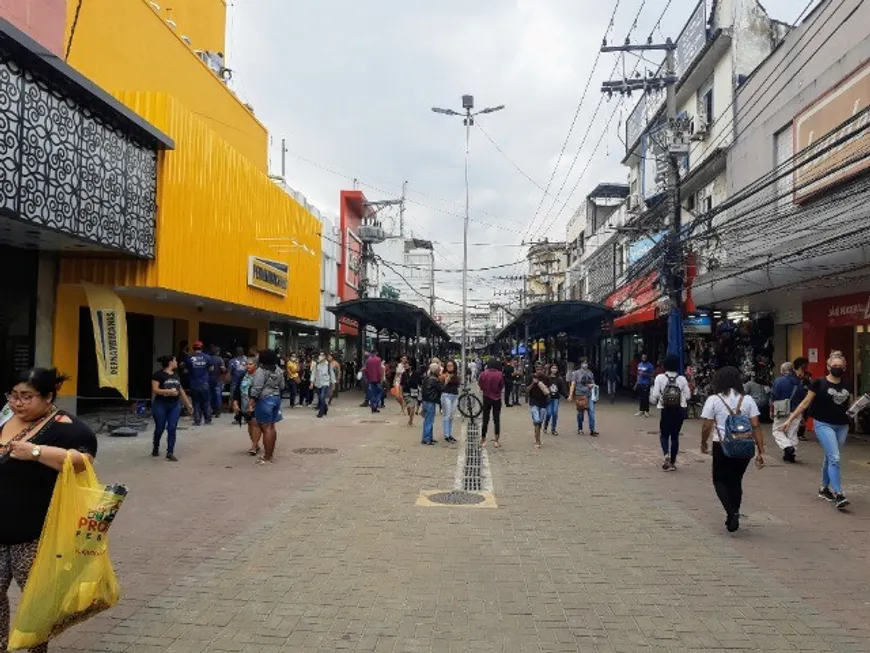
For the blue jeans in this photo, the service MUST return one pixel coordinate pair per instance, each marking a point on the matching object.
(538, 414)
(322, 399)
(428, 420)
(201, 404)
(166, 415)
(832, 437)
(216, 389)
(373, 396)
(291, 390)
(448, 408)
(591, 411)
(552, 413)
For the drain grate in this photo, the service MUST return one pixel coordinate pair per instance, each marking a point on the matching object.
(314, 450)
(457, 498)
(472, 479)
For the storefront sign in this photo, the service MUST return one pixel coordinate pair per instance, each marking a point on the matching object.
(353, 272)
(109, 320)
(698, 323)
(848, 310)
(692, 39)
(271, 276)
(640, 293)
(637, 250)
(822, 124)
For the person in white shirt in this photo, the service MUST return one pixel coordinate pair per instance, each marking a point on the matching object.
(671, 394)
(728, 399)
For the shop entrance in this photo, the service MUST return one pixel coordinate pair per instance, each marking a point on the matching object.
(19, 267)
(227, 337)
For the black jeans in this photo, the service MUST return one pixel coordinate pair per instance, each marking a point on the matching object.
(292, 389)
(643, 397)
(491, 406)
(728, 479)
(670, 423)
(508, 394)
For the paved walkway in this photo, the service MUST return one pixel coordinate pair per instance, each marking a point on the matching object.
(591, 547)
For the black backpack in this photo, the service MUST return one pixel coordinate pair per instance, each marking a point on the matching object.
(672, 396)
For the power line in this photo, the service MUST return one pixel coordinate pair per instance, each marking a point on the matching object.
(72, 31)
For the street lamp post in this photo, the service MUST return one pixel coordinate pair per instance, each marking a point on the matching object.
(467, 114)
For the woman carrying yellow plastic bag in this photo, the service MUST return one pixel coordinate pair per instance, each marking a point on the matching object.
(53, 534)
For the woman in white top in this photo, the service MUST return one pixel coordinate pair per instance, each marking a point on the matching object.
(671, 395)
(728, 399)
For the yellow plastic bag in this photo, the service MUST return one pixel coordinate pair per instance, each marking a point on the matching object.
(72, 578)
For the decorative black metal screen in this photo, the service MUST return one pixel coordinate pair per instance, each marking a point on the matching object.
(65, 168)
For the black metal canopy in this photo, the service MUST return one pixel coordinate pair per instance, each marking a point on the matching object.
(390, 314)
(575, 318)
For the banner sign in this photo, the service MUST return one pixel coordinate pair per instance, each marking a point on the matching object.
(699, 323)
(109, 320)
(271, 276)
(692, 39)
(638, 249)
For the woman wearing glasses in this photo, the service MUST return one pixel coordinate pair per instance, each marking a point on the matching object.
(34, 444)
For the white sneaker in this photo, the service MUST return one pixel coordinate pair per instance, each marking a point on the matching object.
(638, 414)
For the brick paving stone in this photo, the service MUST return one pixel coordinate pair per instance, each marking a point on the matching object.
(589, 550)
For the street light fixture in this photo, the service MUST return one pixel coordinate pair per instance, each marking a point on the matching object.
(468, 121)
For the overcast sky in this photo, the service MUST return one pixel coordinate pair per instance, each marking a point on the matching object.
(350, 85)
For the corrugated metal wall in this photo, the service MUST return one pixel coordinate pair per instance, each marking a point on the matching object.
(215, 209)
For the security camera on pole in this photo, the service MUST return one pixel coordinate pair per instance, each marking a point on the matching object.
(467, 116)
(677, 145)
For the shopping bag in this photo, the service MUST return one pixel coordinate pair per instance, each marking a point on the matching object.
(72, 578)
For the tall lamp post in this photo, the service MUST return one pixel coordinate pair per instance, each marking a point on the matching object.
(467, 114)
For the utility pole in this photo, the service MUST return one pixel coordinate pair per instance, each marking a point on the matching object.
(284, 159)
(402, 211)
(676, 145)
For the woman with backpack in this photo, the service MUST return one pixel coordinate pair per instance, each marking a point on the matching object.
(671, 393)
(829, 398)
(731, 418)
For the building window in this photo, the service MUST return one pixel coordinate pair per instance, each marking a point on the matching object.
(705, 105)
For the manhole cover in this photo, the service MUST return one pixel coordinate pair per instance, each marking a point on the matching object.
(457, 498)
(315, 450)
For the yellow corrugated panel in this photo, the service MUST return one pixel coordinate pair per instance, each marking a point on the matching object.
(127, 45)
(215, 209)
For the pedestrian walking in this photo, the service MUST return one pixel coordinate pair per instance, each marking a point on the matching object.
(582, 385)
(802, 372)
(266, 389)
(337, 373)
(828, 400)
(34, 444)
(216, 371)
(198, 366)
(243, 406)
(373, 375)
(731, 420)
(322, 380)
(237, 367)
(449, 398)
(402, 365)
(293, 379)
(786, 395)
(671, 394)
(611, 377)
(306, 395)
(508, 375)
(492, 384)
(430, 393)
(645, 374)
(558, 390)
(167, 396)
(539, 399)
(412, 378)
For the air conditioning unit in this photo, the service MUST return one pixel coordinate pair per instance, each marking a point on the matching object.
(700, 129)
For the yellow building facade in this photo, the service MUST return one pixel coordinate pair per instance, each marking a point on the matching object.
(233, 251)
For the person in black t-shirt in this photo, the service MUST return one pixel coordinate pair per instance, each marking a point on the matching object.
(34, 444)
(167, 396)
(828, 401)
(539, 399)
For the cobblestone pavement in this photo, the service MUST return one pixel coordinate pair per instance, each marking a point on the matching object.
(590, 548)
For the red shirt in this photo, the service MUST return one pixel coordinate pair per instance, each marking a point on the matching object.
(492, 383)
(374, 369)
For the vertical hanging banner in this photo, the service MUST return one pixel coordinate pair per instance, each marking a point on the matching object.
(110, 337)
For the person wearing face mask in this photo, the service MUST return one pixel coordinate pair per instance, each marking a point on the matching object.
(645, 376)
(293, 378)
(582, 383)
(828, 401)
(322, 379)
(558, 389)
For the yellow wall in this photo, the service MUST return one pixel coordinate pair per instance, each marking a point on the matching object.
(124, 45)
(203, 21)
(214, 211)
(71, 297)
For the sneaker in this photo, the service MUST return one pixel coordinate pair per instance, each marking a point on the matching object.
(666, 465)
(579, 431)
(840, 501)
(639, 413)
(826, 494)
(594, 434)
(155, 453)
(672, 467)
(733, 522)
(555, 432)
(170, 457)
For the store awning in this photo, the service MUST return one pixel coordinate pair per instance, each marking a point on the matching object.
(638, 300)
(574, 318)
(390, 315)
